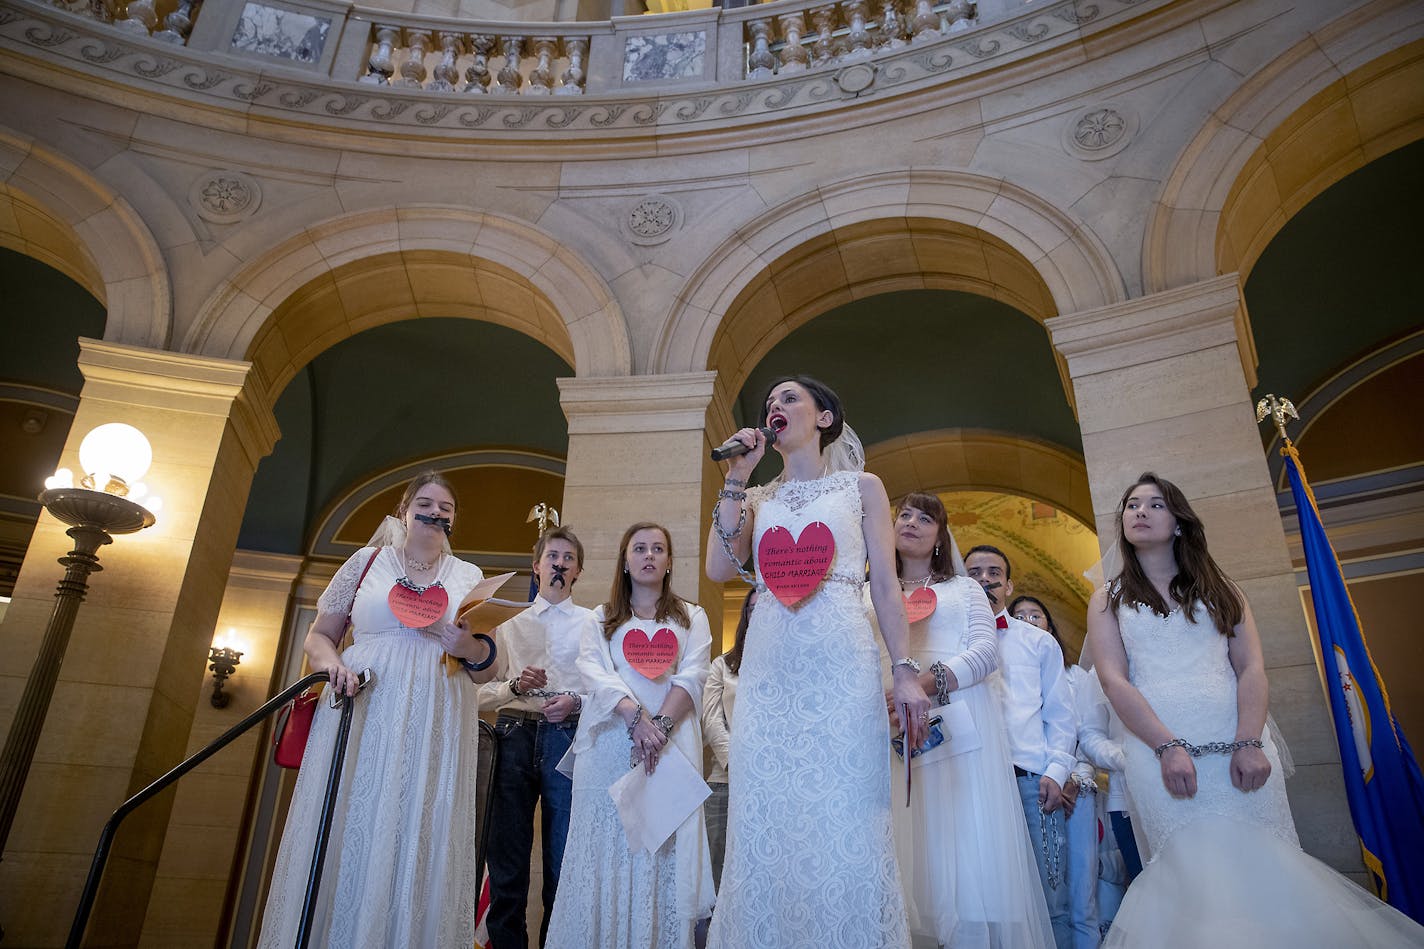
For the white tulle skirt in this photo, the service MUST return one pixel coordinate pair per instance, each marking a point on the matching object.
(1229, 884)
(966, 860)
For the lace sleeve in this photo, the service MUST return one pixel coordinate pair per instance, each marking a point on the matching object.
(340, 593)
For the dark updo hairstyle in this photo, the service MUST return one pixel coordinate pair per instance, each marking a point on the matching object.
(1198, 581)
(826, 401)
(942, 558)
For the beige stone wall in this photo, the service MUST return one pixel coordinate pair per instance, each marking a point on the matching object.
(1096, 180)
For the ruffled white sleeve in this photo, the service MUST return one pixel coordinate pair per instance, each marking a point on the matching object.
(981, 651)
(604, 685)
(695, 663)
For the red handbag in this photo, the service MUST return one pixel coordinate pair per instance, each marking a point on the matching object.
(295, 720)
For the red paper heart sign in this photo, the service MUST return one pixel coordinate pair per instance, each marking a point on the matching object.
(920, 604)
(650, 657)
(793, 569)
(417, 610)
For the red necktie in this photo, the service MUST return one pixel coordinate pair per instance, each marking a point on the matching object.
(1002, 622)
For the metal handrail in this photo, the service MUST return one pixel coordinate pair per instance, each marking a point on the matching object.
(333, 783)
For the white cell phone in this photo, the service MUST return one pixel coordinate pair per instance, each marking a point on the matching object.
(363, 679)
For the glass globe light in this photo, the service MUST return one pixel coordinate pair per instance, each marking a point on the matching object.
(115, 450)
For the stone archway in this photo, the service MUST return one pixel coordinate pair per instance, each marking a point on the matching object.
(896, 230)
(336, 278)
(961, 459)
(1252, 166)
(58, 213)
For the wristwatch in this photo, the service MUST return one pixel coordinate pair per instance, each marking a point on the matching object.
(665, 723)
(906, 661)
(514, 686)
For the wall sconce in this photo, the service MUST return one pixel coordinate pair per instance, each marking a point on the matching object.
(109, 500)
(223, 660)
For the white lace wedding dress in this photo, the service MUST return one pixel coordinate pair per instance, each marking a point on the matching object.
(1226, 870)
(810, 858)
(400, 870)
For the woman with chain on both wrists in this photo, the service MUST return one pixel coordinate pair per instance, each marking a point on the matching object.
(810, 856)
(644, 658)
(1178, 655)
(965, 853)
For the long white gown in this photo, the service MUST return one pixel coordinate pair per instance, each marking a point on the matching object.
(1227, 870)
(810, 854)
(965, 854)
(400, 870)
(610, 897)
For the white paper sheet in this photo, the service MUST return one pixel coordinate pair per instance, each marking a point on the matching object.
(654, 806)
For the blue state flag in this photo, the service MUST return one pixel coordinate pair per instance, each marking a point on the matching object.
(1382, 778)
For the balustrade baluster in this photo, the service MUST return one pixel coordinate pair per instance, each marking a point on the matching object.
(960, 14)
(892, 27)
(177, 25)
(576, 49)
(926, 21)
(510, 79)
(794, 57)
(447, 75)
(824, 49)
(761, 64)
(139, 17)
(413, 69)
(380, 66)
(477, 76)
(541, 77)
(858, 36)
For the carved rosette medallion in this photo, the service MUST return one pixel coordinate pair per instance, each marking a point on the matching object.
(225, 197)
(652, 219)
(1099, 132)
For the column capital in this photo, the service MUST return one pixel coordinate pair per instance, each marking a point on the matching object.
(202, 385)
(655, 403)
(1159, 326)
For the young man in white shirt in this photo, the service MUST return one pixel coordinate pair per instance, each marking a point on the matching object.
(1038, 715)
(537, 690)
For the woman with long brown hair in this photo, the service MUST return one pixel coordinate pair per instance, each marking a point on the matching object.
(1179, 657)
(965, 854)
(644, 660)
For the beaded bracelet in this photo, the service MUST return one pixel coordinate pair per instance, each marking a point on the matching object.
(735, 482)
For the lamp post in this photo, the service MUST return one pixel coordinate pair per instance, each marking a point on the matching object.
(114, 456)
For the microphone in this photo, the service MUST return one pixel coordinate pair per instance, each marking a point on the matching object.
(731, 448)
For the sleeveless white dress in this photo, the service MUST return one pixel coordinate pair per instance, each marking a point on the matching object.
(400, 870)
(965, 854)
(810, 856)
(1226, 870)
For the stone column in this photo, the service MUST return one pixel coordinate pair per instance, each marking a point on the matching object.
(123, 708)
(636, 452)
(1162, 383)
(206, 836)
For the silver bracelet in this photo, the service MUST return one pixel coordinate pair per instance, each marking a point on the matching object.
(637, 717)
(941, 677)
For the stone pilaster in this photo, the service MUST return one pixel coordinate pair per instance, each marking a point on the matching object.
(636, 452)
(1162, 383)
(123, 708)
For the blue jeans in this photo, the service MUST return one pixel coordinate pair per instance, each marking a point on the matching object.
(1083, 872)
(529, 751)
(1126, 843)
(1049, 838)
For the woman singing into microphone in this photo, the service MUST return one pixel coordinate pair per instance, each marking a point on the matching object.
(810, 854)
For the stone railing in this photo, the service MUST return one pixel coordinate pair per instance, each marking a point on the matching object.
(335, 64)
